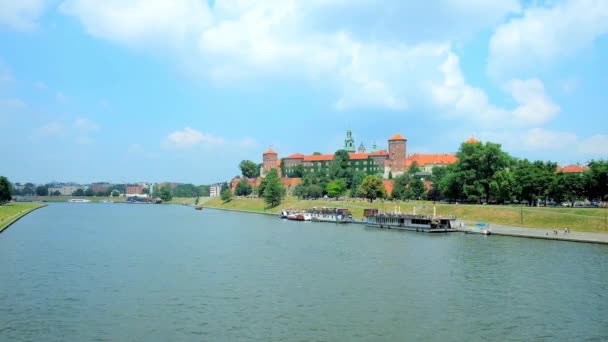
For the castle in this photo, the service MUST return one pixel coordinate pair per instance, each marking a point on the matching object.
(393, 161)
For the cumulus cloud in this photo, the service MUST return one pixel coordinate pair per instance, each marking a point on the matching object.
(21, 15)
(542, 34)
(189, 137)
(231, 40)
(141, 22)
(459, 99)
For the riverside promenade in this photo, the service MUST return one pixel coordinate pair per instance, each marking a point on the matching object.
(540, 233)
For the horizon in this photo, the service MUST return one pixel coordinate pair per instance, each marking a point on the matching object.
(183, 90)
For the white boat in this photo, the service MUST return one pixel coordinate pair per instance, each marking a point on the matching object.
(79, 200)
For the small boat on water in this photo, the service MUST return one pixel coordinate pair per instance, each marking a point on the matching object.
(79, 200)
(299, 216)
(198, 207)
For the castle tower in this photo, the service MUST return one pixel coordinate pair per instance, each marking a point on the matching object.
(361, 148)
(397, 153)
(270, 160)
(349, 142)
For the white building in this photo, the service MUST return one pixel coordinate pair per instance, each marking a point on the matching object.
(214, 190)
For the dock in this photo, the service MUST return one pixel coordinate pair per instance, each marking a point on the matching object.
(539, 233)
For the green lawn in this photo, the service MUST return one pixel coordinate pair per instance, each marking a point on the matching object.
(581, 219)
(11, 211)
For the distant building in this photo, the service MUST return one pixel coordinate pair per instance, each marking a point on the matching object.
(65, 189)
(99, 187)
(135, 189)
(214, 190)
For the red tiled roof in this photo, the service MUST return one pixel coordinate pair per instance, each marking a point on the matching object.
(426, 159)
(572, 169)
(295, 156)
(472, 141)
(270, 151)
(358, 156)
(389, 184)
(379, 153)
(319, 157)
(397, 137)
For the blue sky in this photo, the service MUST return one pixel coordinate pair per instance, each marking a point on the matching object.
(183, 90)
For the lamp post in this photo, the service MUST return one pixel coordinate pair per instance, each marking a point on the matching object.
(521, 215)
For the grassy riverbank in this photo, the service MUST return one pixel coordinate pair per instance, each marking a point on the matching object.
(581, 219)
(11, 212)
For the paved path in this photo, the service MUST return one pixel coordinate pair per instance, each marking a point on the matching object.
(539, 233)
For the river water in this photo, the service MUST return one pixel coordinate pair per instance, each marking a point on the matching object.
(121, 272)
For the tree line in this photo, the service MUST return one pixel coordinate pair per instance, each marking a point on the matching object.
(483, 173)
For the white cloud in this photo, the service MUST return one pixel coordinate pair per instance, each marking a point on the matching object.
(189, 137)
(543, 34)
(237, 39)
(534, 107)
(21, 15)
(141, 22)
(459, 99)
(84, 125)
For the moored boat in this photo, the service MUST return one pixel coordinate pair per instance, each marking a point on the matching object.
(334, 215)
(79, 200)
(198, 207)
(418, 223)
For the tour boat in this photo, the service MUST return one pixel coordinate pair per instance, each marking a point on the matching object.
(419, 223)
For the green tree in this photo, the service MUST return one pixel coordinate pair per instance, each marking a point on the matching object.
(568, 186)
(390, 175)
(204, 190)
(5, 190)
(339, 167)
(249, 169)
(503, 187)
(186, 190)
(115, 193)
(28, 190)
(400, 186)
(533, 180)
(243, 188)
(596, 180)
(414, 168)
(42, 190)
(89, 192)
(417, 188)
(336, 188)
(78, 192)
(165, 194)
(226, 195)
(372, 188)
(274, 190)
(56, 193)
(146, 191)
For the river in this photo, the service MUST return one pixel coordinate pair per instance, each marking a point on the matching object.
(127, 272)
